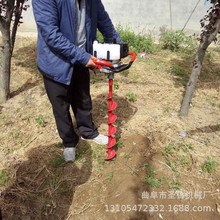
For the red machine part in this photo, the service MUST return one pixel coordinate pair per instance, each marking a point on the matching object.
(100, 63)
(112, 105)
(111, 119)
(133, 56)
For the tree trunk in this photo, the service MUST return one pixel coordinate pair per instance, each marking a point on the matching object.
(17, 16)
(6, 51)
(197, 66)
(5, 68)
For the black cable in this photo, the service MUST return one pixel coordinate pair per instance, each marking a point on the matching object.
(190, 15)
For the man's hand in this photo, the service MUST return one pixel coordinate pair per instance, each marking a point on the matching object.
(91, 64)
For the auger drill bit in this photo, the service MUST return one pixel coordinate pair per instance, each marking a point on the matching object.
(110, 68)
(111, 119)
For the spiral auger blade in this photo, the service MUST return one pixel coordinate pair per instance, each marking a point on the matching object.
(110, 68)
(111, 129)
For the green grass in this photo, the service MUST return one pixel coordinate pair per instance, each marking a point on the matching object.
(94, 78)
(173, 184)
(54, 180)
(63, 189)
(100, 160)
(57, 161)
(137, 42)
(127, 155)
(183, 160)
(153, 182)
(110, 176)
(59, 145)
(180, 72)
(131, 97)
(169, 150)
(4, 178)
(177, 156)
(151, 179)
(116, 84)
(209, 165)
(218, 127)
(167, 109)
(99, 37)
(176, 40)
(97, 155)
(124, 73)
(132, 171)
(186, 147)
(158, 182)
(119, 144)
(171, 164)
(41, 121)
(80, 158)
(213, 102)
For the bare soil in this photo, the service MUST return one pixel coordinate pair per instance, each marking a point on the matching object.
(38, 184)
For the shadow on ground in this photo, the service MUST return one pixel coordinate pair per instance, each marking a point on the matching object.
(44, 185)
(26, 57)
(206, 129)
(25, 87)
(210, 74)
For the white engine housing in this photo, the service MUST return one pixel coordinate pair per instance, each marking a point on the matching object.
(106, 51)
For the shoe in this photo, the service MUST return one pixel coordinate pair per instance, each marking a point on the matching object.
(69, 154)
(100, 139)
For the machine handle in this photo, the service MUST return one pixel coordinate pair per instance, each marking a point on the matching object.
(100, 62)
(133, 56)
(103, 63)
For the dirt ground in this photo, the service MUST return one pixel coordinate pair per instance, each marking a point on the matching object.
(158, 172)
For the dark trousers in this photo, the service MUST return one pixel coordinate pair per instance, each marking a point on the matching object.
(76, 95)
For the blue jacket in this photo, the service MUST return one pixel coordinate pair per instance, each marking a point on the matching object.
(56, 52)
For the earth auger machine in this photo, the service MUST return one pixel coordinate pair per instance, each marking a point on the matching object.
(109, 55)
